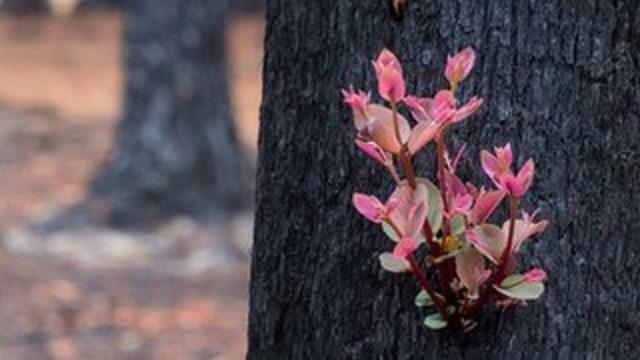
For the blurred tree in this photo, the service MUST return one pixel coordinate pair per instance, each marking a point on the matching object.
(23, 6)
(561, 81)
(30, 6)
(103, 3)
(176, 148)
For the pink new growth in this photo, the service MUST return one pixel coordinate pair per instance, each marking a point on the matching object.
(374, 151)
(358, 101)
(442, 108)
(474, 260)
(391, 84)
(370, 207)
(459, 66)
(413, 225)
(498, 168)
(535, 275)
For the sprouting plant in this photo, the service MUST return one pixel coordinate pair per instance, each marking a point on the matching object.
(472, 260)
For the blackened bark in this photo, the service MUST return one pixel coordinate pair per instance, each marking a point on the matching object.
(176, 146)
(561, 79)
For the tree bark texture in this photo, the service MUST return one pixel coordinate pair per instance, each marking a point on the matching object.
(561, 82)
(176, 147)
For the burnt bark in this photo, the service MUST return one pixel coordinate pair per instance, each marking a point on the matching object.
(176, 149)
(561, 80)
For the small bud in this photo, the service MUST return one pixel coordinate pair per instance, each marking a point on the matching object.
(535, 275)
(391, 85)
(460, 65)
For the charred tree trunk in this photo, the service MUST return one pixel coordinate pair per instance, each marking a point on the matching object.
(561, 79)
(176, 147)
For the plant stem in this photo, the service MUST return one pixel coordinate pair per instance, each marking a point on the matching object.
(415, 268)
(447, 267)
(506, 253)
(441, 270)
(440, 306)
(498, 276)
(408, 167)
(394, 116)
(441, 146)
(428, 235)
(404, 153)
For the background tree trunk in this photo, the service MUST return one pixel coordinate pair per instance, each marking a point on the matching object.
(23, 6)
(561, 82)
(176, 145)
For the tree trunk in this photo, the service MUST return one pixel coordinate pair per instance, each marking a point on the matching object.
(23, 6)
(561, 82)
(176, 148)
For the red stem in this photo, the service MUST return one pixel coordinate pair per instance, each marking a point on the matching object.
(408, 167)
(442, 308)
(437, 302)
(499, 275)
(504, 259)
(428, 234)
(404, 153)
(394, 117)
(447, 267)
(441, 172)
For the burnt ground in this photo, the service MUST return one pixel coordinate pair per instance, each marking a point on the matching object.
(98, 293)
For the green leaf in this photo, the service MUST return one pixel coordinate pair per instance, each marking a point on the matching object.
(490, 241)
(458, 225)
(523, 291)
(390, 232)
(511, 280)
(423, 299)
(435, 205)
(435, 322)
(389, 263)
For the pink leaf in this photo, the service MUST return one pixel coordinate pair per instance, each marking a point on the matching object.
(358, 102)
(535, 275)
(499, 164)
(391, 85)
(468, 109)
(520, 184)
(373, 151)
(489, 240)
(489, 163)
(421, 135)
(486, 204)
(381, 129)
(442, 107)
(524, 229)
(460, 65)
(417, 109)
(405, 248)
(369, 206)
(472, 271)
(410, 209)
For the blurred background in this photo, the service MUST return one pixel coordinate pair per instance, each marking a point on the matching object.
(127, 147)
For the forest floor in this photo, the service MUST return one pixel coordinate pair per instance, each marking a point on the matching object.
(104, 294)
